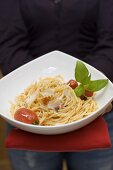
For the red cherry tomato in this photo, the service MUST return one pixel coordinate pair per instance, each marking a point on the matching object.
(25, 115)
(72, 83)
(88, 93)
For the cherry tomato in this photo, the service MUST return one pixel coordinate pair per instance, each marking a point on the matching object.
(72, 83)
(88, 93)
(25, 115)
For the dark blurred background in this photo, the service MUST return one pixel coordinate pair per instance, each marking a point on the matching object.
(4, 160)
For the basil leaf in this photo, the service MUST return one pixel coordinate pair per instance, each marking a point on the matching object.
(82, 73)
(97, 85)
(79, 90)
(87, 80)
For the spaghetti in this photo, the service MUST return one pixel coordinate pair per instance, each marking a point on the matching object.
(54, 102)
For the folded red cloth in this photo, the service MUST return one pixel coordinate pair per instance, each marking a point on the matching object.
(93, 136)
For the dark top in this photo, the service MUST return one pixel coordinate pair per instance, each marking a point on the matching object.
(31, 28)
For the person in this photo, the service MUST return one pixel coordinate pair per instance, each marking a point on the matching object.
(84, 29)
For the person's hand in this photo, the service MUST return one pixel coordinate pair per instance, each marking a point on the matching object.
(108, 109)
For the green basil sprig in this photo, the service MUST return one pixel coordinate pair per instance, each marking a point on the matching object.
(81, 73)
(79, 90)
(83, 76)
(97, 85)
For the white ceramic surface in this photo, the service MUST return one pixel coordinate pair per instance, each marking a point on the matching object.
(51, 64)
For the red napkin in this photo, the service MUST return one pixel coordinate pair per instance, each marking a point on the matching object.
(93, 136)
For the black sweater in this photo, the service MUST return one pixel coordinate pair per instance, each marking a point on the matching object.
(31, 28)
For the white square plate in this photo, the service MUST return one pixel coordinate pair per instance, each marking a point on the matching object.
(53, 63)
